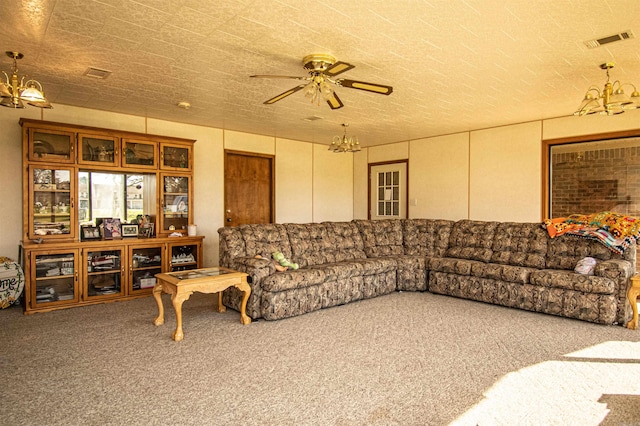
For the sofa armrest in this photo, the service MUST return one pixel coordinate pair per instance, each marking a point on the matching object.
(257, 268)
(620, 270)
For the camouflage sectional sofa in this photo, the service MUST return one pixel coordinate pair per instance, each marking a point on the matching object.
(509, 264)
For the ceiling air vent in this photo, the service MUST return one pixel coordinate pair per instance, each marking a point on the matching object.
(625, 35)
(97, 73)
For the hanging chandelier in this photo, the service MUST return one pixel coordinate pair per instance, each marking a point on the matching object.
(611, 100)
(345, 144)
(15, 91)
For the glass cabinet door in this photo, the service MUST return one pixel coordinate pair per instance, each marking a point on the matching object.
(145, 263)
(176, 203)
(175, 157)
(104, 273)
(98, 150)
(51, 210)
(54, 277)
(184, 257)
(139, 154)
(51, 146)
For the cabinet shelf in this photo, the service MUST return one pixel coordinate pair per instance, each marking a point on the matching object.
(54, 277)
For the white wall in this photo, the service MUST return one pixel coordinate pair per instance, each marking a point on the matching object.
(505, 173)
(439, 177)
(294, 181)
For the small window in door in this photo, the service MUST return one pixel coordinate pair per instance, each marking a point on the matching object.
(389, 194)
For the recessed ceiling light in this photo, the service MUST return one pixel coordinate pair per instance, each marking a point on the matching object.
(184, 105)
(97, 73)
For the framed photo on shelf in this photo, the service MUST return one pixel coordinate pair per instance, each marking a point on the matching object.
(129, 230)
(112, 228)
(89, 232)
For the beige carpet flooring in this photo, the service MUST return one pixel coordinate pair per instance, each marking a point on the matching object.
(401, 359)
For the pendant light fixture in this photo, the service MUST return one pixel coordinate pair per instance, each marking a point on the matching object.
(15, 91)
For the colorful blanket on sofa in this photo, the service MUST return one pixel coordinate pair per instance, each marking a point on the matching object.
(614, 230)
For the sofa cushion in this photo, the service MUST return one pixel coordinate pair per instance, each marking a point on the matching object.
(426, 237)
(520, 244)
(572, 281)
(345, 242)
(471, 239)
(264, 239)
(381, 237)
(475, 268)
(309, 243)
(295, 279)
(564, 252)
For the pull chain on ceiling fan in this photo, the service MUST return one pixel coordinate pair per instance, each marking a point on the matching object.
(319, 84)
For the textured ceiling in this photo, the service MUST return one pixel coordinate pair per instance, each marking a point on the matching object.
(454, 65)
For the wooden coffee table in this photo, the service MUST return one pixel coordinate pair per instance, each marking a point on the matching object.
(181, 285)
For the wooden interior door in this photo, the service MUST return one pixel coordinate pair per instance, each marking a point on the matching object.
(249, 188)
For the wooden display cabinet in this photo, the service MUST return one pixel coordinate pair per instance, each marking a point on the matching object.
(61, 269)
(176, 157)
(145, 261)
(98, 150)
(53, 278)
(175, 200)
(51, 203)
(139, 154)
(182, 256)
(48, 145)
(103, 275)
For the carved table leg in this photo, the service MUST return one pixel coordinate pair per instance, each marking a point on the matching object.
(177, 300)
(246, 289)
(632, 295)
(221, 307)
(157, 294)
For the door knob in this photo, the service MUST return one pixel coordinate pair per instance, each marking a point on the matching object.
(229, 219)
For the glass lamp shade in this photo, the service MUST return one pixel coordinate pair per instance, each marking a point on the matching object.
(32, 94)
(11, 103)
(619, 98)
(4, 91)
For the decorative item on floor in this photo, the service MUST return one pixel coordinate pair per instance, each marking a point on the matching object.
(11, 282)
(15, 91)
(344, 143)
(611, 100)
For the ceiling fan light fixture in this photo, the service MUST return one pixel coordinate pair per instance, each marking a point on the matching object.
(321, 69)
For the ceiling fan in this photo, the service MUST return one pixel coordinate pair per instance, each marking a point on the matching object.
(322, 69)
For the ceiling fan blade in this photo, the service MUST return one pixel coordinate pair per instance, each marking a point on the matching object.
(338, 68)
(279, 76)
(334, 101)
(283, 95)
(369, 87)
